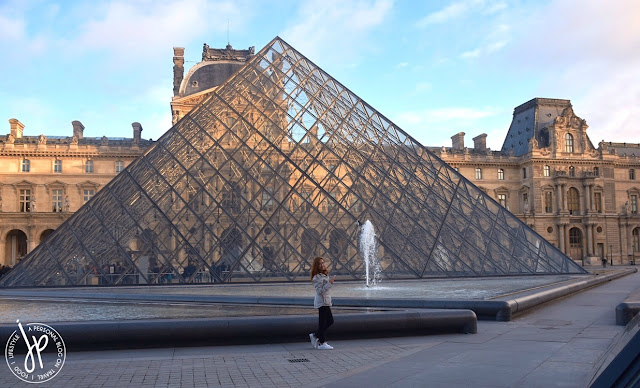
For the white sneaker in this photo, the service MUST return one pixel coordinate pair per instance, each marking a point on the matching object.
(325, 346)
(314, 340)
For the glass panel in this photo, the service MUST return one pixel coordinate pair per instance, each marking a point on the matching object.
(280, 165)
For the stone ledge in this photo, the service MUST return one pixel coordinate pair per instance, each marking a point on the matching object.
(122, 334)
(628, 309)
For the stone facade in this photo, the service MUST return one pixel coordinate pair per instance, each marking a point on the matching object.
(582, 199)
(44, 179)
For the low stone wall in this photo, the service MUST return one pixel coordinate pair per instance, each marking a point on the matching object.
(99, 335)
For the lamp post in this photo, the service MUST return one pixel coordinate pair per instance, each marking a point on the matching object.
(611, 254)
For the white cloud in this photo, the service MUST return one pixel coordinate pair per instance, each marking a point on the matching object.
(591, 58)
(459, 10)
(336, 31)
(493, 42)
(471, 54)
(434, 127)
(402, 64)
(134, 30)
(11, 28)
(452, 11)
(494, 8)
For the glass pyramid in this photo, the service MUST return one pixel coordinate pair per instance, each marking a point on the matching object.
(280, 164)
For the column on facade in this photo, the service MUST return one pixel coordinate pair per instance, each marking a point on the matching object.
(629, 233)
(32, 241)
(564, 198)
(591, 196)
(559, 197)
(561, 237)
(3, 257)
(587, 199)
(589, 239)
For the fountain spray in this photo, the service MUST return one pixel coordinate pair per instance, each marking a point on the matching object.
(368, 248)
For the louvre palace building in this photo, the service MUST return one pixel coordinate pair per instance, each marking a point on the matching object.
(270, 161)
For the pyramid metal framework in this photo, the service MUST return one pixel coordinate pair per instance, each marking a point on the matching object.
(279, 164)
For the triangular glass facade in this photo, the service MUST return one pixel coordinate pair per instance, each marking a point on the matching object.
(280, 164)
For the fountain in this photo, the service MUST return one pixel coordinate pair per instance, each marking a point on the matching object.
(368, 248)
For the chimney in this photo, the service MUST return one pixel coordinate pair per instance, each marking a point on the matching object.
(457, 141)
(78, 129)
(137, 131)
(16, 128)
(480, 142)
(178, 69)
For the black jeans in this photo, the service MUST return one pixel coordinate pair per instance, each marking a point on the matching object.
(325, 319)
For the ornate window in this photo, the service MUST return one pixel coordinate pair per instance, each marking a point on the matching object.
(502, 199)
(56, 200)
(87, 194)
(572, 171)
(267, 199)
(334, 195)
(500, 174)
(119, 166)
(232, 198)
(26, 165)
(597, 201)
(568, 143)
(573, 201)
(478, 173)
(633, 203)
(547, 171)
(57, 166)
(575, 238)
(306, 201)
(25, 200)
(87, 190)
(88, 166)
(548, 202)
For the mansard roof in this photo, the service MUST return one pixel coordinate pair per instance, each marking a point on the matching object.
(528, 119)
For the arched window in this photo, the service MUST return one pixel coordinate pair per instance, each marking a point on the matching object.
(572, 171)
(575, 244)
(500, 174)
(568, 142)
(636, 240)
(547, 171)
(575, 238)
(548, 202)
(573, 201)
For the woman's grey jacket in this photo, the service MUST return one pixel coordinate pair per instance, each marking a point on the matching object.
(323, 285)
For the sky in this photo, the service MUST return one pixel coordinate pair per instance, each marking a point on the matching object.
(434, 68)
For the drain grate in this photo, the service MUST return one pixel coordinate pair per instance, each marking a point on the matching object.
(298, 360)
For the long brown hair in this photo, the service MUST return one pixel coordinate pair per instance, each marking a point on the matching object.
(315, 267)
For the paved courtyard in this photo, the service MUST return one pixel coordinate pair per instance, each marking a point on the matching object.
(558, 344)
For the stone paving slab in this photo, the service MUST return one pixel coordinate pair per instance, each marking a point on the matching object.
(556, 344)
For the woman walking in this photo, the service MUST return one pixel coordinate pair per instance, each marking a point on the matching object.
(322, 301)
